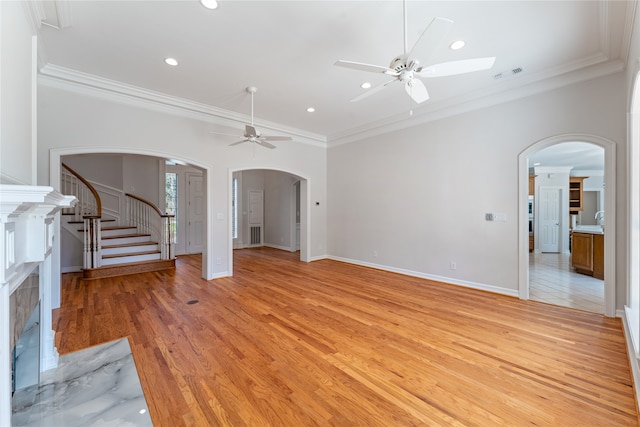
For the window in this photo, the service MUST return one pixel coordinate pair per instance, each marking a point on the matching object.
(171, 201)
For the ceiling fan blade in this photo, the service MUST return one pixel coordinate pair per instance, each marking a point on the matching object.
(373, 90)
(238, 142)
(365, 67)
(416, 90)
(265, 144)
(275, 138)
(250, 131)
(430, 39)
(457, 67)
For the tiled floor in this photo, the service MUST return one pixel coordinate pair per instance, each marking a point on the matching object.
(552, 280)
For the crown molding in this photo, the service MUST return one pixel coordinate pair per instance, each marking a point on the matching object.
(99, 87)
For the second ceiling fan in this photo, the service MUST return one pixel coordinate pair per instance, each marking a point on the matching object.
(407, 67)
(251, 134)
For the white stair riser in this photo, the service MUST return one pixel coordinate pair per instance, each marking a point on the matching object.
(132, 258)
(130, 249)
(123, 240)
(118, 231)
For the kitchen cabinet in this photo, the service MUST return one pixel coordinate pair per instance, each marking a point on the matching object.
(587, 253)
(532, 185)
(576, 185)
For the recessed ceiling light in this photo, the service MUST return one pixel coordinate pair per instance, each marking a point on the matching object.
(209, 4)
(310, 110)
(458, 44)
(537, 164)
(171, 61)
(365, 85)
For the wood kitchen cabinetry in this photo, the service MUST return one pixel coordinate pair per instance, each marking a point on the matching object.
(587, 254)
(532, 185)
(576, 184)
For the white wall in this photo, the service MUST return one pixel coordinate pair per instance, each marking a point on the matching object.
(73, 118)
(140, 176)
(17, 94)
(279, 192)
(415, 200)
(103, 168)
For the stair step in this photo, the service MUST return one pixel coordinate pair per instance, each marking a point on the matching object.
(82, 222)
(129, 268)
(130, 254)
(126, 245)
(125, 239)
(115, 230)
(128, 249)
(128, 258)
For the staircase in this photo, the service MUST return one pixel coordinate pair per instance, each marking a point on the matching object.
(138, 243)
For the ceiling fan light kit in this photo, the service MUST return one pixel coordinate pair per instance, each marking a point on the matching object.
(406, 67)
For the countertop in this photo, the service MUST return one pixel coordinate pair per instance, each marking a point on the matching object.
(589, 229)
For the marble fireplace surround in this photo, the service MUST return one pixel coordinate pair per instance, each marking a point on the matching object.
(29, 229)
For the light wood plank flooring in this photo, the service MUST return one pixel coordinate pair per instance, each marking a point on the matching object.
(552, 279)
(287, 343)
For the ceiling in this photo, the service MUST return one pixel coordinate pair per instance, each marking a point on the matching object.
(580, 156)
(287, 49)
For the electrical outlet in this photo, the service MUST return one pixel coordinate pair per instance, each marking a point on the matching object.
(375, 254)
(488, 217)
(218, 261)
(453, 265)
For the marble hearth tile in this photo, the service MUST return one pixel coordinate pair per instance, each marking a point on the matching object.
(98, 386)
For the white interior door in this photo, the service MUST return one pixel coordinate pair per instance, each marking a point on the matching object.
(195, 214)
(549, 219)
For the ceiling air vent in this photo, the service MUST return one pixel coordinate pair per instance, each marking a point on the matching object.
(504, 74)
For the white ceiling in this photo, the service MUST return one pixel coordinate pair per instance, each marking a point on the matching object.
(580, 156)
(287, 49)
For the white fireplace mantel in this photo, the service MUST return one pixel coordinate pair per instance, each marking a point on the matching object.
(27, 230)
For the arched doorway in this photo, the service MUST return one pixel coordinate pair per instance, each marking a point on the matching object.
(54, 179)
(574, 173)
(292, 201)
(523, 223)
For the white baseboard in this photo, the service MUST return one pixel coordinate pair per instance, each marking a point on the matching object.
(633, 358)
(280, 247)
(448, 280)
(71, 269)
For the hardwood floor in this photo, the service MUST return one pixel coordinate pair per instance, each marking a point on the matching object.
(287, 343)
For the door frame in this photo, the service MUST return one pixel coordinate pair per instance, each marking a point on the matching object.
(610, 207)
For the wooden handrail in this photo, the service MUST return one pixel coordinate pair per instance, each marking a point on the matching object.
(90, 187)
(148, 203)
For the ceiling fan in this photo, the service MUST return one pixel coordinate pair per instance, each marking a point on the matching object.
(406, 67)
(251, 134)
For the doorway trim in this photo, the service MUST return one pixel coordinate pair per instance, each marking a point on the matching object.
(610, 207)
(305, 211)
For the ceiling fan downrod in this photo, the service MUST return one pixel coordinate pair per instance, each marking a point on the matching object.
(252, 90)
